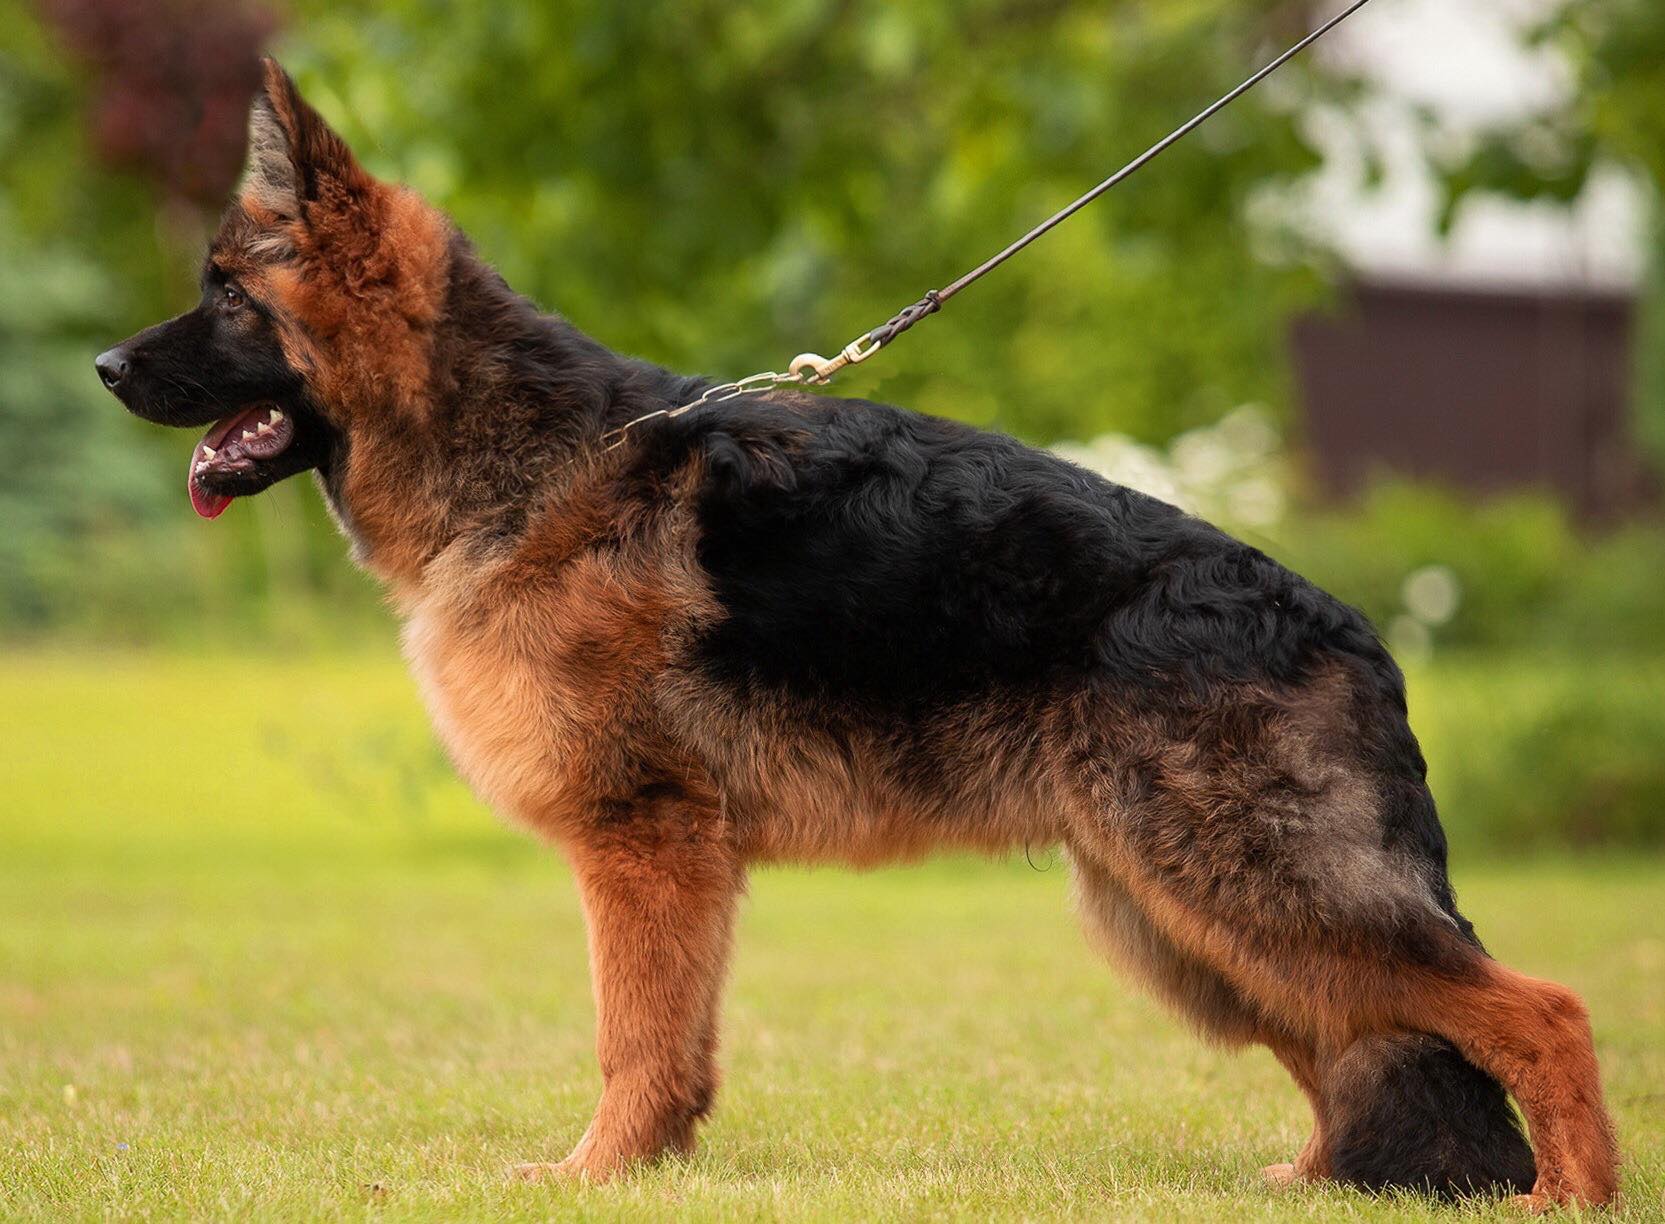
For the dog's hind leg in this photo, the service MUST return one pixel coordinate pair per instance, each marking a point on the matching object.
(1118, 928)
(1286, 841)
(659, 885)
(1311, 992)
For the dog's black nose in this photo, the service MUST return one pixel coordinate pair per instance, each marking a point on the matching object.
(112, 366)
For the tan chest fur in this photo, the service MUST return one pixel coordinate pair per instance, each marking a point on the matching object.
(511, 733)
(537, 667)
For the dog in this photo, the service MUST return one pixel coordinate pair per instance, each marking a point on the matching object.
(785, 627)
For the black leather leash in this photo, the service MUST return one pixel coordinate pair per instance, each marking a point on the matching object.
(811, 369)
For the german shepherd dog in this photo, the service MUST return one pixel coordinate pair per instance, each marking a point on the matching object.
(786, 627)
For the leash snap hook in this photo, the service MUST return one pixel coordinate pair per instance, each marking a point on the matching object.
(815, 370)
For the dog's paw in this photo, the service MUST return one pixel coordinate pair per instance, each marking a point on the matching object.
(1540, 1202)
(536, 1171)
(587, 1164)
(1280, 1176)
(568, 1170)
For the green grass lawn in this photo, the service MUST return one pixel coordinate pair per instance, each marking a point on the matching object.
(261, 957)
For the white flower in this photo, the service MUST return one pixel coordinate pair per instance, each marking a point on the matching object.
(1432, 594)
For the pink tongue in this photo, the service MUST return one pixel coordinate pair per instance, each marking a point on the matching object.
(209, 505)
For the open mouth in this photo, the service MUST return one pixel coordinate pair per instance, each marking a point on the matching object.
(231, 452)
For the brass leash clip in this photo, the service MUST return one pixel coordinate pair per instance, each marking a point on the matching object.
(815, 370)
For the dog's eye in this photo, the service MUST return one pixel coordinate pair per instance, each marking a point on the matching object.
(231, 297)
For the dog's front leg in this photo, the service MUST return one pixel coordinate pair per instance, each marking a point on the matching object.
(659, 886)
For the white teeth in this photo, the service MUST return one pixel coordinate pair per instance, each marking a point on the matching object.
(263, 427)
(207, 453)
(276, 415)
(248, 434)
(202, 465)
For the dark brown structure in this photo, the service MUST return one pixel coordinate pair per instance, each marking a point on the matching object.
(1485, 390)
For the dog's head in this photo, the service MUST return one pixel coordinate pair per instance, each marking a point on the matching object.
(314, 333)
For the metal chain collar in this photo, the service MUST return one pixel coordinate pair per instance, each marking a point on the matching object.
(806, 369)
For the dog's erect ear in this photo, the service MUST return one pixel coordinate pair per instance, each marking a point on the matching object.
(294, 158)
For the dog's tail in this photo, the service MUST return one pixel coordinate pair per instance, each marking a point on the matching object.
(1408, 1111)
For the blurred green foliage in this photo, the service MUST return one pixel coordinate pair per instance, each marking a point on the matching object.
(68, 474)
(1527, 579)
(1531, 752)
